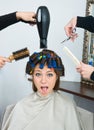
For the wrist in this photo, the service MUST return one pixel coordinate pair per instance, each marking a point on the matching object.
(92, 76)
(18, 17)
(75, 21)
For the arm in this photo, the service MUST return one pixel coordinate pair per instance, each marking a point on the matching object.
(81, 22)
(7, 20)
(86, 23)
(12, 18)
(92, 76)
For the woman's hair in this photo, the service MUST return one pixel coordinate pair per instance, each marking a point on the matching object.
(49, 58)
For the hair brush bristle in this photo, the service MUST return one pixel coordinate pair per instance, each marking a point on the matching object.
(20, 54)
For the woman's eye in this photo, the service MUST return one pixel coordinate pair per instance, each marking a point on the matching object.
(37, 74)
(50, 75)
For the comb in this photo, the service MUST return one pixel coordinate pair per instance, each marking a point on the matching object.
(71, 55)
(20, 54)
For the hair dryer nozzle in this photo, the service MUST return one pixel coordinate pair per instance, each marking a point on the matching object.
(43, 43)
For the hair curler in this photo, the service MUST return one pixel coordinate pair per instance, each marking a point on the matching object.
(20, 54)
(43, 21)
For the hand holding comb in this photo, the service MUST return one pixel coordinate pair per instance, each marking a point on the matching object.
(20, 54)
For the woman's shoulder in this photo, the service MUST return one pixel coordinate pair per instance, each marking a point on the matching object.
(25, 100)
(65, 98)
(28, 97)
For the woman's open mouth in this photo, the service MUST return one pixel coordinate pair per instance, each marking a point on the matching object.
(44, 89)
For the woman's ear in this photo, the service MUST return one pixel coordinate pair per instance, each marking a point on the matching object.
(57, 77)
(30, 78)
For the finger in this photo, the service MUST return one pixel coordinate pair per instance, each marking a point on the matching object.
(5, 59)
(78, 70)
(2, 63)
(68, 30)
(33, 20)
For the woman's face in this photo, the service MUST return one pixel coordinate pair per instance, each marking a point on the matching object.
(44, 79)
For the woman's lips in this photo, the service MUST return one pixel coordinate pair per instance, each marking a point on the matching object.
(44, 89)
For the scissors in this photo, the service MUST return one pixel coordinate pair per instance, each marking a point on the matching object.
(74, 30)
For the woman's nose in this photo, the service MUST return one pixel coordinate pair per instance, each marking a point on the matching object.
(43, 78)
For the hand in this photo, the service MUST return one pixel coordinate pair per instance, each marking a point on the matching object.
(28, 17)
(85, 70)
(70, 27)
(3, 60)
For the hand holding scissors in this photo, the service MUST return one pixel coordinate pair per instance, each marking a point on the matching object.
(72, 37)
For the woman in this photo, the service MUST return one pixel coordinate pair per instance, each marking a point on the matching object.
(12, 18)
(46, 108)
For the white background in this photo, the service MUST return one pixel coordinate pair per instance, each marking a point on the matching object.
(13, 82)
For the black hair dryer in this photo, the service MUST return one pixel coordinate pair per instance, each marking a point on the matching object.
(43, 21)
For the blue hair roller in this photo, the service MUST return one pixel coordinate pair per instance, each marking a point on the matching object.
(44, 56)
(41, 66)
(50, 64)
(32, 64)
(48, 56)
(54, 64)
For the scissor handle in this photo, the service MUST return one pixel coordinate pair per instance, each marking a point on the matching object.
(74, 30)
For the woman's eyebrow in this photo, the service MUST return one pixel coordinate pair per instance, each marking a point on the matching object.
(37, 70)
(50, 71)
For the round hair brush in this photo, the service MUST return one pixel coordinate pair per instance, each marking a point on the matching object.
(20, 54)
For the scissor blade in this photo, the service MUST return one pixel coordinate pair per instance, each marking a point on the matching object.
(66, 40)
